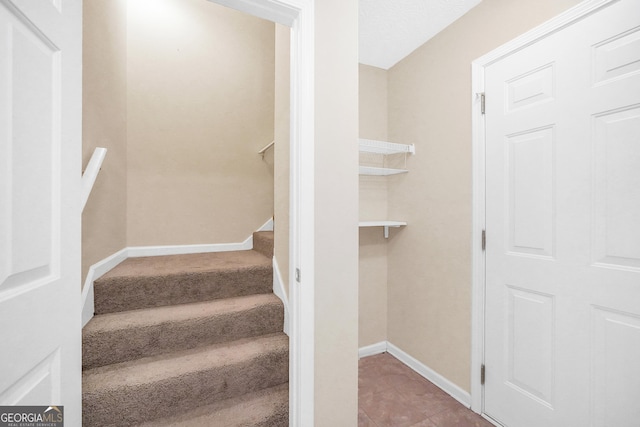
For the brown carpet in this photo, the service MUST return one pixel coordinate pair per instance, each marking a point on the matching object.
(188, 340)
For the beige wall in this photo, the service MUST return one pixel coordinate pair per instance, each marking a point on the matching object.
(372, 279)
(199, 107)
(430, 105)
(104, 108)
(336, 213)
(281, 152)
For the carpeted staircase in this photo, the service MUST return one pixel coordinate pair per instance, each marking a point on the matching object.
(187, 340)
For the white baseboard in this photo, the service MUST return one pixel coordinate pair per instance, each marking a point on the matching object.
(140, 251)
(96, 271)
(278, 289)
(101, 267)
(373, 349)
(447, 386)
(267, 226)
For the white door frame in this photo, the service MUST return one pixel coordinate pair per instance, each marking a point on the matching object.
(572, 15)
(299, 15)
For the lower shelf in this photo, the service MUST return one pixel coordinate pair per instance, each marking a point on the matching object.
(385, 224)
(369, 170)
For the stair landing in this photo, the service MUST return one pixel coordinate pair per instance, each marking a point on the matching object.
(178, 279)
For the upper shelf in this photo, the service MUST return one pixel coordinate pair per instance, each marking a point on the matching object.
(383, 147)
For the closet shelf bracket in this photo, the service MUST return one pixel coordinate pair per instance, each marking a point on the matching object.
(384, 224)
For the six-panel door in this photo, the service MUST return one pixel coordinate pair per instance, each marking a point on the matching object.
(562, 341)
(40, 146)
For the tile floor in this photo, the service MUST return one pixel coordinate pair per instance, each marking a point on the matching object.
(393, 395)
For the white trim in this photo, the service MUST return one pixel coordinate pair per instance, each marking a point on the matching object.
(96, 271)
(302, 217)
(561, 21)
(140, 251)
(267, 226)
(278, 289)
(247, 244)
(447, 386)
(373, 349)
(299, 15)
(491, 420)
(477, 254)
(276, 11)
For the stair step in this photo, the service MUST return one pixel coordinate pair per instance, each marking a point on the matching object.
(159, 387)
(263, 243)
(178, 279)
(118, 337)
(264, 408)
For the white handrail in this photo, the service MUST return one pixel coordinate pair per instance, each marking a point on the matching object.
(91, 173)
(265, 148)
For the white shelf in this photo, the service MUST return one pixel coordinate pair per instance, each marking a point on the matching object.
(370, 170)
(383, 147)
(383, 223)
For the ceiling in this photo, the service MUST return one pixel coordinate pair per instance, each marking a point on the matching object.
(389, 30)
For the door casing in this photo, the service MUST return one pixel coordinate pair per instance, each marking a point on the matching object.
(299, 16)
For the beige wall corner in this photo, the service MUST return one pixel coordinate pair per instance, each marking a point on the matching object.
(430, 260)
(336, 213)
(104, 107)
(199, 107)
(372, 125)
(281, 151)
(373, 102)
(372, 280)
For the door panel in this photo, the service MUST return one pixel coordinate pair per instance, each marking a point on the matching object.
(529, 357)
(616, 210)
(563, 226)
(530, 193)
(616, 383)
(40, 146)
(531, 88)
(29, 181)
(617, 57)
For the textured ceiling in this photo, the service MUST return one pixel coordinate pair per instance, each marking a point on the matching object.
(392, 29)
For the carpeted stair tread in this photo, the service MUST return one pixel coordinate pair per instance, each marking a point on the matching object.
(117, 337)
(264, 408)
(161, 386)
(176, 364)
(263, 243)
(178, 279)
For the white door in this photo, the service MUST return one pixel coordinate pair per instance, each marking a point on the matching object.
(562, 327)
(40, 148)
